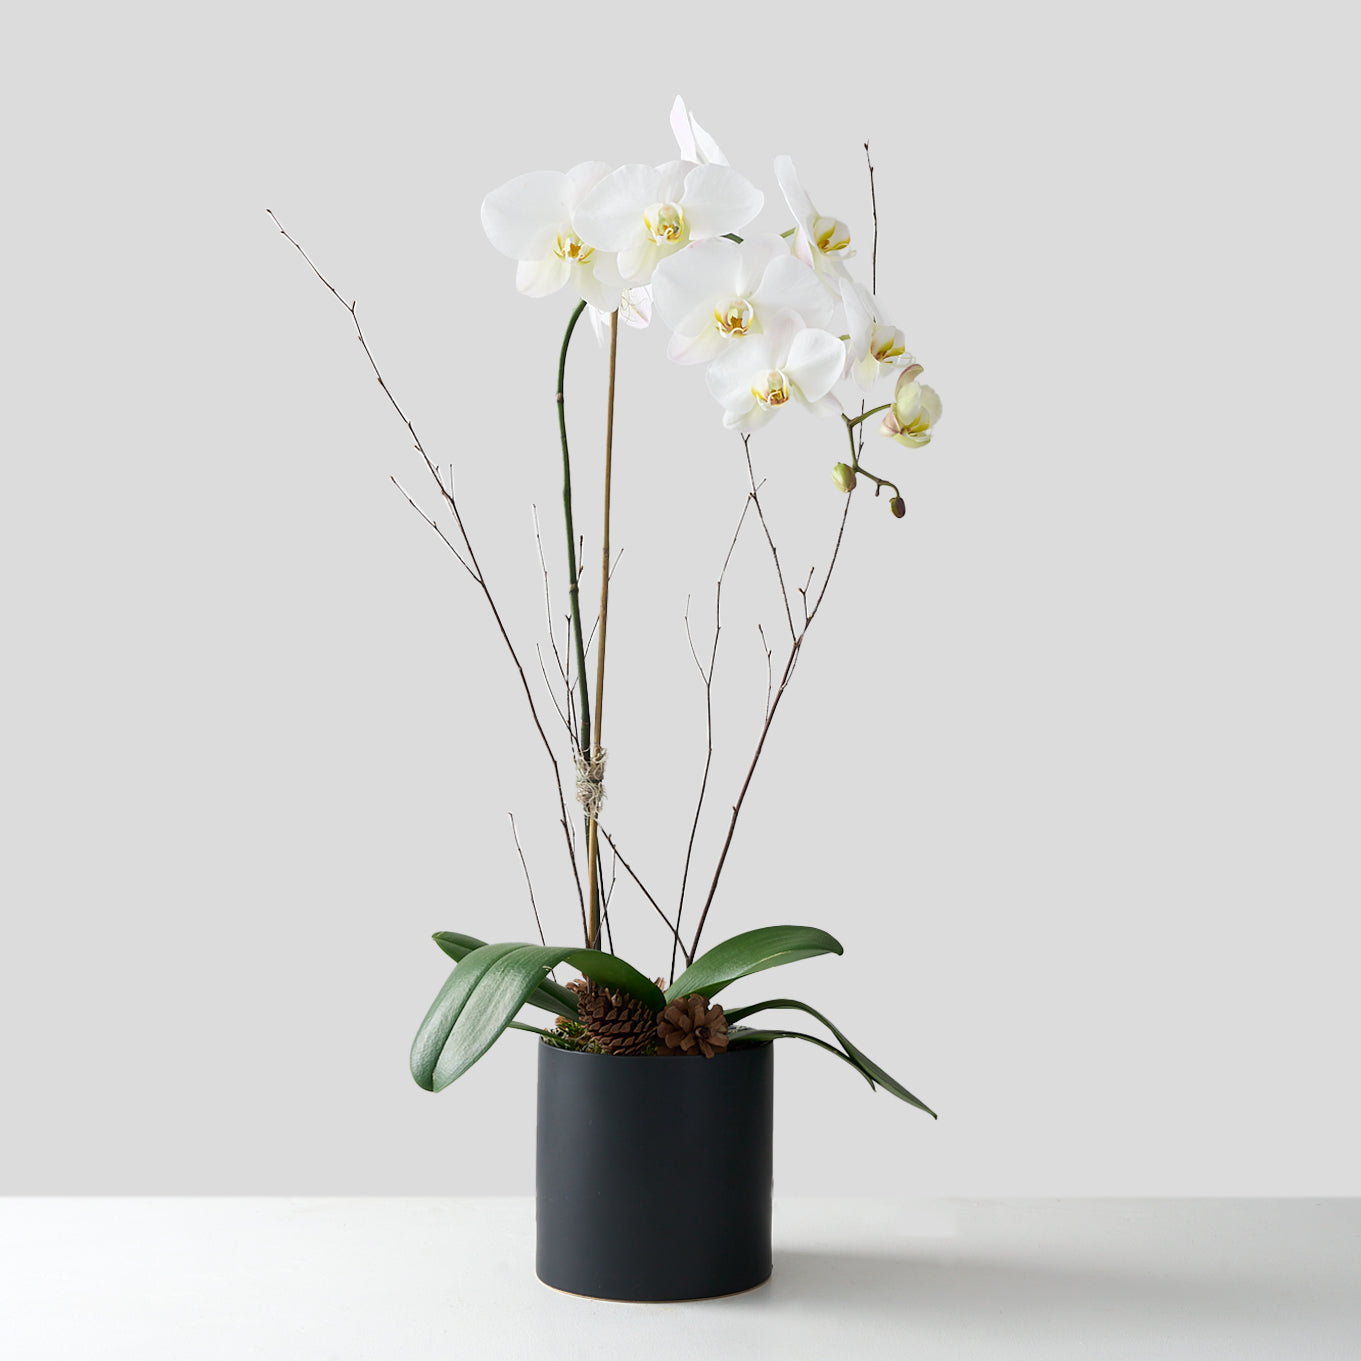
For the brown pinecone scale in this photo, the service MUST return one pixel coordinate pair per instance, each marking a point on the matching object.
(618, 1023)
(692, 1025)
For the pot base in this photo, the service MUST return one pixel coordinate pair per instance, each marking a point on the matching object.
(694, 1299)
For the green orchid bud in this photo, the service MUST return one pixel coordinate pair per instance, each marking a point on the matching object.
(897, 507)
(843, 475)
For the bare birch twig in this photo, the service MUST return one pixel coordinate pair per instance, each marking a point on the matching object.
(790, 663)
(472, 565)
(707, 676)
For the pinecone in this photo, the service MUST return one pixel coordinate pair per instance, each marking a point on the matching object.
(618, 1023)
(692, 1025)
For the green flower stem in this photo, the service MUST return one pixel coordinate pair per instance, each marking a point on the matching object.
(572, 590)
(573, 593)
(593, 824)
(879, 482)
(851, 423)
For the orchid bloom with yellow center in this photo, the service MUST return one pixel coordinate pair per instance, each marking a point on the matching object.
(717, 293)
(771, 388)
(788, 362)
(914, 413)
(734, 317)
(645, 213)
(821, 242)
(875, 347)
(530, 220)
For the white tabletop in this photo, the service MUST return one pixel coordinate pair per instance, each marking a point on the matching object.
(326, 1280)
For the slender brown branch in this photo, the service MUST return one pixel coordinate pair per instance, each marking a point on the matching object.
(803, 594)
(474, 567)
(670, 925)
(874, 210)
(529, 883)
(858, 444)
(770, 718)
(565, 716)
(433, 525)
(548, 685)
(774, 552)
(567, 678)
(707, 676)
(593, 845)
(590, 637)
(770, 674)
(606, 893)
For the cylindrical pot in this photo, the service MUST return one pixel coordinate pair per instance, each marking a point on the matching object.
(654, 1173)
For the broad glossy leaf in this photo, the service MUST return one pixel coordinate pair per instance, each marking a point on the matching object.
(549, 995)
(467, 1019)
(735, 1039)
(749, 953)
(861, 1061)
(614, 973)
(448, 1006)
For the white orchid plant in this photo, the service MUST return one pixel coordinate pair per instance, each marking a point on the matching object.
(777, 320)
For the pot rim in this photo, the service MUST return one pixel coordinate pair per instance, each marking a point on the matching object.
(752, 1047)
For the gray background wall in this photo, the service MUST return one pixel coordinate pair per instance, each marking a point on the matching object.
(1070, 765)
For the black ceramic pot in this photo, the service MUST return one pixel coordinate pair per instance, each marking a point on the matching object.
(654, 1174)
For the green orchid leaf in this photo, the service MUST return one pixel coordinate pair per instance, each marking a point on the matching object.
(480, 998)
(549, 995)
(455, 944)
(448, 1006)
(749, 953)
(866, 1065)
(616, 974)
(737, 1038)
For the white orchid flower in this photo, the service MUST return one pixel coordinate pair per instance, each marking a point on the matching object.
(530, 220)
(695, 144)
(914, 413)
(716, 292)
(635, 309)
(787, 361)
(875, 347)
(819, 241)
(645, 213)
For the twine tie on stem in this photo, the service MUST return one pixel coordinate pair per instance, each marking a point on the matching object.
(591, 782)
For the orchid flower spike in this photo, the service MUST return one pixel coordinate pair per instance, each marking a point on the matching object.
(645, 213)
(819, 241)
(716, 292)
(530, 220)
(695, 144)
(788, 360)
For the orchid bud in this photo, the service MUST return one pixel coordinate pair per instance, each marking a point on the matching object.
(843, 475)
(897, 507)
